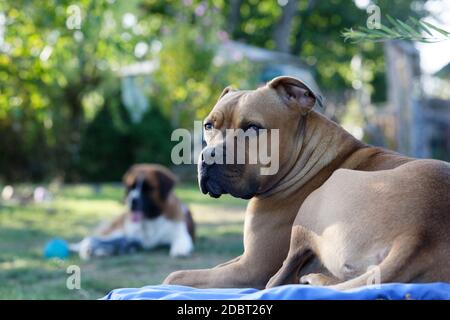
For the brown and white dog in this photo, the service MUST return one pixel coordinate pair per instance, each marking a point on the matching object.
(155, 217)
(336, 208)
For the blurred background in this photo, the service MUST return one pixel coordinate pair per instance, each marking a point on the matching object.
(88, 88)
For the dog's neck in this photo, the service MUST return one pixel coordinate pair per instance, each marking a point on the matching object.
(321, 144)
(322, 148)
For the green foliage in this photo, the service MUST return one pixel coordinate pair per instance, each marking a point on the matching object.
(55, 80)
(150, 138)
(413, 29)
(189, 80)
(48, 71)
(316, 37)
(106, 149)
(57, 83)
(256, 23)
(111, 142)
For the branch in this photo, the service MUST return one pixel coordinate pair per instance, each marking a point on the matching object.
(413, 29)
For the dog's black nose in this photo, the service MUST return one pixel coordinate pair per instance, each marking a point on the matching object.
(206, 161)
(209, 172)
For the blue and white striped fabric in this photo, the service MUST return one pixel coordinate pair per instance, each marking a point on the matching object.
(391, 291)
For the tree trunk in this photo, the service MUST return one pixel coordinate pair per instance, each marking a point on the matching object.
(298, 44)
(284, 26)
(234, 15)
(406, 98)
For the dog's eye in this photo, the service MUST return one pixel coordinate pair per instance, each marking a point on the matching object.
(208, 126)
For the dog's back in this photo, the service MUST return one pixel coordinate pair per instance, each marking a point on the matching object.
(366, 211)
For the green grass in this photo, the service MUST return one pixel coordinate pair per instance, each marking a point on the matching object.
(73, 214)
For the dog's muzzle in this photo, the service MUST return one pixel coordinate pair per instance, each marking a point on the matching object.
(207, 183)
(139, 203)
(208, 176)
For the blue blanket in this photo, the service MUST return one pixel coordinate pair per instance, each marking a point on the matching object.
(392, 291)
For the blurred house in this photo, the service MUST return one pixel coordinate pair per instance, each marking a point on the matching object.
(416, 119)
(272, 63)
(437, 114)
(438, 84)
(136, 78)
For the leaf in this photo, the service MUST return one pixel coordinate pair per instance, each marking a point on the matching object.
(408, 29)
(350, 34)
(421, 25)
(394, 22)
(441, 31)
(389, 31)
(399, 30)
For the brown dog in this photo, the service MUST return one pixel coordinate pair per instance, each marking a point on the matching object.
(354, 206)
(155, 216)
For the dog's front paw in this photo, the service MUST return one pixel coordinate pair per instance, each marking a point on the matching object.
(315, 279)
(181, 247)
(176, 277)
(271, 283)
(86, 248)
(275, 281)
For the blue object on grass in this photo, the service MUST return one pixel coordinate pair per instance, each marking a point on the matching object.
(389, 291)
(56, 248)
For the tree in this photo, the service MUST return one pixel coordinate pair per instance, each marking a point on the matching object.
(60, 63)
(312, 29)
(57, 56)
(283, 26)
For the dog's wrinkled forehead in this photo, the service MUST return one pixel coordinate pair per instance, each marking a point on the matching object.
(229, 100)
(267, 100)
(260, 106)
(235, 100)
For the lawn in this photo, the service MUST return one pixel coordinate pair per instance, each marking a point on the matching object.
(73, 213)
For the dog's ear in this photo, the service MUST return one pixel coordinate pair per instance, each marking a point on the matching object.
(127, 181)
(295, 92)
(225, 91)
(127, 178)
(166, 181)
